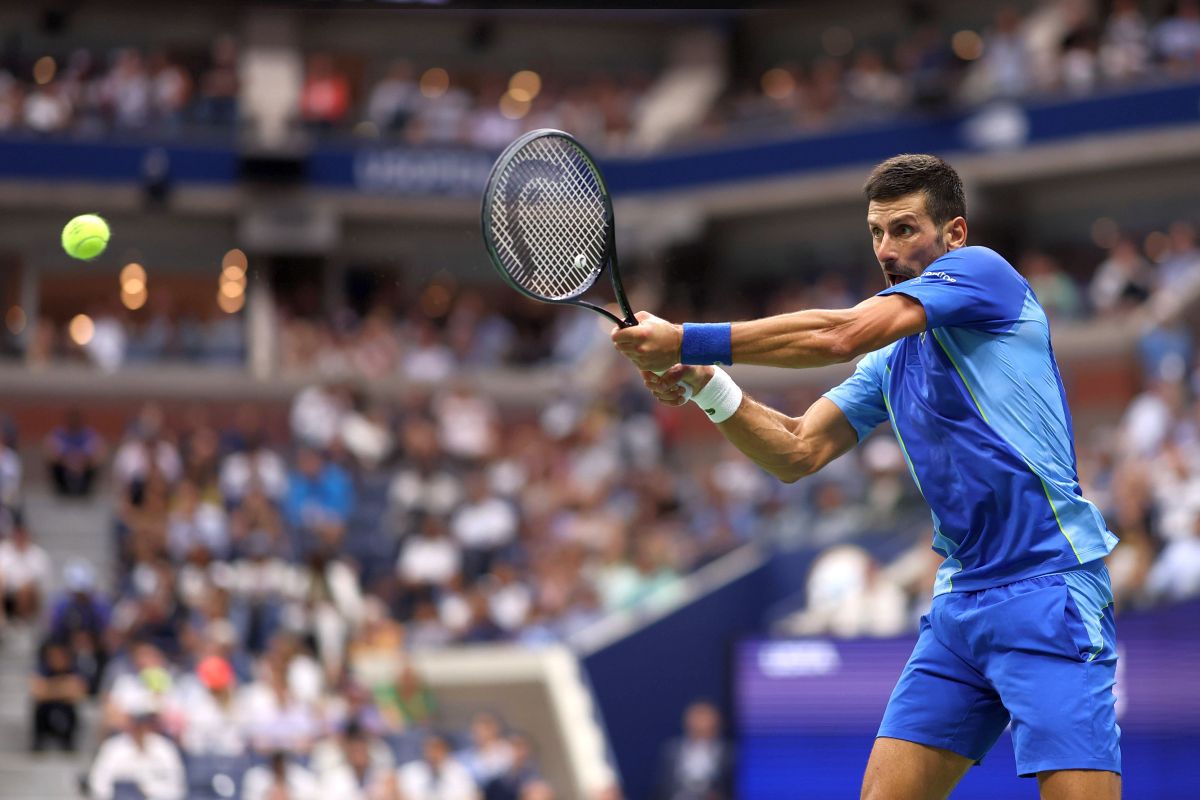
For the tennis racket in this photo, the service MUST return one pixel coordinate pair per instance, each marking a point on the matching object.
(548, 223)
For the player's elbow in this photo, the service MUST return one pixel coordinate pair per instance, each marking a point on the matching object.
(800, 464)
(839, 345)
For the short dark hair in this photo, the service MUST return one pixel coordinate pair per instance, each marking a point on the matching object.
(904, 174)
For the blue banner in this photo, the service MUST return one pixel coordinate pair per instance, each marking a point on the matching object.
(462, 172)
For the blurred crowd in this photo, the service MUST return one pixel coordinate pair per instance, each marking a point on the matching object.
(1068, 47)
(1065, 47)
(91, 93)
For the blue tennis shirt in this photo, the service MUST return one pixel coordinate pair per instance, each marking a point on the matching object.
(978, 406)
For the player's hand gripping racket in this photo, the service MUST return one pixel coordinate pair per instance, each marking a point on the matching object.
(548, 223)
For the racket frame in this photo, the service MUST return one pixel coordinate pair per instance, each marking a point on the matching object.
(610, 254)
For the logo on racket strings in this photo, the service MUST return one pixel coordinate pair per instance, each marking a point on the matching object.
(581, 263)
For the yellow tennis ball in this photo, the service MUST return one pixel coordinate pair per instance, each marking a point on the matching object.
(85, 237)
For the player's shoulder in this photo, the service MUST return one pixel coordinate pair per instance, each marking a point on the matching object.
(975, 259)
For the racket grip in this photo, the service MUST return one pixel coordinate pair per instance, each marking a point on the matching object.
(687, 390)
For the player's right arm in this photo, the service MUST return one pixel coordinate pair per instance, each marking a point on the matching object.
(789, 448)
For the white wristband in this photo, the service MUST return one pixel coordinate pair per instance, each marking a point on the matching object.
(720, 398)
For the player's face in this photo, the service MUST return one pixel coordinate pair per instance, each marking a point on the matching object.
(905, 237)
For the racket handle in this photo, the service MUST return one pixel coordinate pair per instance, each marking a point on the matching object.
(687, 390)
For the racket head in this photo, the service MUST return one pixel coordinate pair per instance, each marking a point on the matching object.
(547, 217)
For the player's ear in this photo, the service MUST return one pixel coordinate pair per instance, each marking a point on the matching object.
(954, 233)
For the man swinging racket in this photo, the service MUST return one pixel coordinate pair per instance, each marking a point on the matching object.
(958, 359)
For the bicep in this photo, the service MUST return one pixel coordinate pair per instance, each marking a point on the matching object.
(878, 321)
(825, 433)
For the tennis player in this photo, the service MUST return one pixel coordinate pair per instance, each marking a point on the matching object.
(957, 357)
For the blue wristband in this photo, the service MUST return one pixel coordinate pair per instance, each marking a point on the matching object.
(707, 343)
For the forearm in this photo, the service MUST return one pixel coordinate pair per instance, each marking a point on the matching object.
(810, 338)
(769, 438)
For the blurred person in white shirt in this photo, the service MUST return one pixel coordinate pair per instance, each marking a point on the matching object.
(142, 757)
(24, 572)
(280, 779)
(430, 559)
(424, 484)
(328, 604)
(429, 359)
(436, 776)
(360, 770)
(1125, 46)
(484, 525)
(145, 450)
(1180, 270)
(316, 415)
(273, 716)
(195, 522)
(211, 721)
(393, 101)
(254, 465)
(468, 423)
(489, 755)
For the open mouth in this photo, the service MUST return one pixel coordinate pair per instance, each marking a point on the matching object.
(894, 278)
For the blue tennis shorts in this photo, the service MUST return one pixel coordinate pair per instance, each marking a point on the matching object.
(1039, 652)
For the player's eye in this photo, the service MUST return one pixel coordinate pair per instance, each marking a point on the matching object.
(905, 230)
(876, 233)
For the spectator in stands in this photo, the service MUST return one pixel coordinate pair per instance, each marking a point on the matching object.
(252, 464)
(213, 721)
(325, 97)
(521, 773)
(1177, 37)
(145, 452)
(484, 526)
(10, 471)
(1180, 269)
(219, 84)
(424, 483)
(24, 572)
(195, 523)
(1125, 47)
(698, 766)
(848, 594)
(142, 757)
(428, 360)
(138, 682)
(489, 754)
(1003, 71)
(277, 716)
(81, 616)
(319, 498)
(280, 778)
(429, 560)
(317, 413)
(328, 606)
(57, 688)
(47, 109)
(1123, 280)
(394, 100)
(437, 775)
(359, 769)
(1055, 290)
(74, 453)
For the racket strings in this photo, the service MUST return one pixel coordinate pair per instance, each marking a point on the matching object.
(550, 214)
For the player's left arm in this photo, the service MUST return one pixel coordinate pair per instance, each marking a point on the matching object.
(810, 338)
